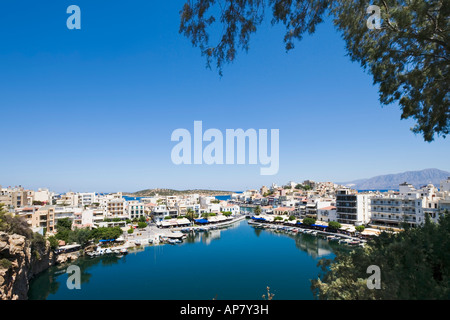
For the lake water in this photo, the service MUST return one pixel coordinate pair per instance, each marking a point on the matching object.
(234, 263)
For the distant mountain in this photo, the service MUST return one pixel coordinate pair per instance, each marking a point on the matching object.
(391, 181)
(171, 192)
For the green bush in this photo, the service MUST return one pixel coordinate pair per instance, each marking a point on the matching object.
(53, 242)
(334, 225)
(309, 221)
(141, 225)
(106, 233)
(5, 263)
(130, 231)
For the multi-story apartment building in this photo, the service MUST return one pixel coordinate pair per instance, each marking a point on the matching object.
(162, 212)
(41, 196)
(87, 198)
(391, 210)
(116, 208)
(352, 207)
(70, 199)
(135, 209)
(410, 205)
(44, 219)
(14, 197)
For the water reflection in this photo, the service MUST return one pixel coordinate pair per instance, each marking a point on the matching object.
(49, 281)
(315, 246)
(242, 249)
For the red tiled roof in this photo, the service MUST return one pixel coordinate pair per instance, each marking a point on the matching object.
(328, 208)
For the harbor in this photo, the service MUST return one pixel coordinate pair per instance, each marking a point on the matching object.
(207, 264)
(329, 236)
(154, 235)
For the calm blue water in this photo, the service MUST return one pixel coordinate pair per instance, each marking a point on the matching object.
(235, 263)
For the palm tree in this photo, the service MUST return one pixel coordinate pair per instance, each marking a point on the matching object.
(190, 214)
(257, 210)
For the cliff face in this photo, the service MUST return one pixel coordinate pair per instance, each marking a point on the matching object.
(24, 264)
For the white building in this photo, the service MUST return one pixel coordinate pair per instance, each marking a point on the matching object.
(135, 209)
(87, 199)
(445, 185)
(352, 208)
(42, 195)
(391, 210)
(327, 214)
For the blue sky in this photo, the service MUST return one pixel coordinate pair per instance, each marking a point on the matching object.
(94, 109)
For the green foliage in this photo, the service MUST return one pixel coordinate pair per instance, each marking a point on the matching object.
(334, 225)
(257, 210)
(107, 220)
(227, 213)
(309, 221)
(64, 223)
(360, 228)
(5, 264)
(167, 217)
(130, 231)
(205, 215)
(106, 233)
(142, 219)
(278, 218)
(142, 225)
(190, 214)
(38, 244)
(414, 264)
(63, 234)
(53, 242)
(212, 214)
(16, 224)
(291, 218)
(116, 220)
(81, 236)
(408, 57)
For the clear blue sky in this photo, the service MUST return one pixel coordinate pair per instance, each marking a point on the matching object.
(94, 109)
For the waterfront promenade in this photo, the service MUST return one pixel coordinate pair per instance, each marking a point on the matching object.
(152, 234)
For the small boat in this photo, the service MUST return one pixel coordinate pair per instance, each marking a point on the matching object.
(123, 251)
(344, 241)
(137, 242)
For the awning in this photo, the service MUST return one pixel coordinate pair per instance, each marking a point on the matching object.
(258, 219)
(201, 221)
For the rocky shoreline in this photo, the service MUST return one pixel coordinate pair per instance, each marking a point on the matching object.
(24, 263)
